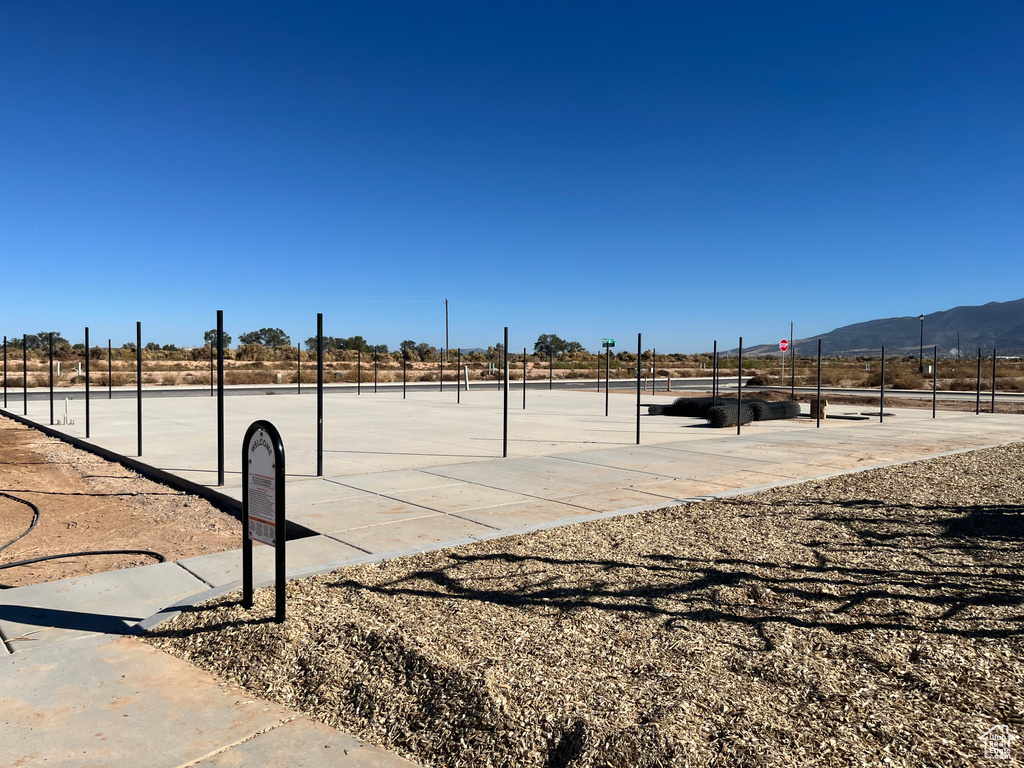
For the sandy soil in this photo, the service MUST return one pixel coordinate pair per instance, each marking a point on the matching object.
(86, 504)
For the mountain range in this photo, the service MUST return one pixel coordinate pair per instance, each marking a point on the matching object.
(998, 325)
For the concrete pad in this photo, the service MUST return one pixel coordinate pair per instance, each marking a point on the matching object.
(683, 489)
(365, 510)
(460, 497)
(305, 744)
(223, 568)
(420, 532)
(546, 477)
(395, 480)
(529, 512)
(117, 702)
(109, 603)
(615, 498)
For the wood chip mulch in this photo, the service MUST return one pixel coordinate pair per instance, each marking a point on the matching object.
(873, 618)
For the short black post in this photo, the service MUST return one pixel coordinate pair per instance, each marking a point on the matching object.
(792, 364)
(993, 380)
(714, 374)
(524, 378)
(263, 518)
(51, 375)
(551, 369)
(220, 396)
(212, 387)
(977, 403)
(818, 408)
(405, 358)
(638, 352)
(739, 388)
(138, 381)
(5, 372)
(110, 370)
(607, 376)
(881, 396)
(504, 407)
(359, 371)
(374, 370)
(654, 369)
(935, 375)
(24, 371)
(87, 423)
(298, 368)
(442, 371)
(319, 394)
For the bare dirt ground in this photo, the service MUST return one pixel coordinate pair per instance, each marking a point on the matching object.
(867, 619)
(87, 504)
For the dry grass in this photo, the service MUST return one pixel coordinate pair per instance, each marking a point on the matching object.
(867, 619)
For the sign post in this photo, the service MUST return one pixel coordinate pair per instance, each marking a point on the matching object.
(263, 511)
(783, 345)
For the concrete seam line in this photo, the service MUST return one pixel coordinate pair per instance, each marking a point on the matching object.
(6, 644)
(190, 572)
(234, 744)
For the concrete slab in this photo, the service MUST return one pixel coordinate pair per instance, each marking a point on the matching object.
(341, 515)
(421, 532)
(390, 482)
(116, 702)
(223, 568)
(107, 603)
(520, 513)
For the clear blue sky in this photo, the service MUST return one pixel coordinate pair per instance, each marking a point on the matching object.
(687, 170)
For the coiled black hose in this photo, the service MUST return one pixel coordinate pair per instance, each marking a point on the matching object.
(36, 515)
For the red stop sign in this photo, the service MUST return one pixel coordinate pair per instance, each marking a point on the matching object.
(783, 345)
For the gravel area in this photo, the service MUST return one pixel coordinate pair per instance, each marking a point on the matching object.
(872, 618)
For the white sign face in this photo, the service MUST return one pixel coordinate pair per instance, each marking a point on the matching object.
(262, 488)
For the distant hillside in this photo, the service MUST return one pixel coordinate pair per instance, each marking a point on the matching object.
(996, 324)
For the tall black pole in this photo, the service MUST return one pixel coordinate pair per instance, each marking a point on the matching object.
(551, 368)
(5, 371)
(739, 388)
(87, 422)
(818, 408)
(881, 397)
(319, 394)
(458, 376)
(524, 378)
(298, 368)
(212, 379)
(654, 369)
(138, 381)
(935, 376)
(714, 375)
(220, 397)
(441, 389)
(607, 376)
(639, 349)
(993, 380)
(792, 363)
(359, 371)
(24, 371)
(920, 352)
(51, 375)
(977, 404)
(446, 347)
(504, 417)
(375, 370)
(405, 357)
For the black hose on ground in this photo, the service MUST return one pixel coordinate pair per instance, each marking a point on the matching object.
(36, 514)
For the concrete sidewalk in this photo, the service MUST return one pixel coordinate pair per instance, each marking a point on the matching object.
(400, 477)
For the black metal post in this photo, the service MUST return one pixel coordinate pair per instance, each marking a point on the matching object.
(458, 376)
(359, 371)
(881, 398)
(87, 423)
(524, 378)
(977, 403)
(110, 370)
(739, 388)
(405, 357)
(441, 389)
(5, 372)
(138, 381)
(639, 349)
(607, 376)
(375, 370)
(504, 417)
(714, 375)
(51, 375)
(935, 376)
(319, 394)
(298, 368)
(792, 364)
(551, 369)
(818, 408)
(24, 371)
(212, 387)
(993, 380)
(920, 353)
(654, 370)
(220, 396)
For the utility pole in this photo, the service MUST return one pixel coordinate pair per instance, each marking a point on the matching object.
(446, 348)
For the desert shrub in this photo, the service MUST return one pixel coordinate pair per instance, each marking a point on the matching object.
(1007, 384)
(761, 380)
(908, 380)
(249, 377)
(427, 376)
(170, 379)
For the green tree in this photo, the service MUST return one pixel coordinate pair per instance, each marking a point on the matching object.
(266, 337)
(152, 347)
(407, 345)
(573, 347)
(549, 344)
(425, 351)
(210, 337)
(41, 340)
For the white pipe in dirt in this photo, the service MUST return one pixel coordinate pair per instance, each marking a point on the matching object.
(465, 370)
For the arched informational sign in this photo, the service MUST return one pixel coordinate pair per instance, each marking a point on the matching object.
(263, 505)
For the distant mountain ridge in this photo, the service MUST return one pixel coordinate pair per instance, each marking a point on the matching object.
(998, 325)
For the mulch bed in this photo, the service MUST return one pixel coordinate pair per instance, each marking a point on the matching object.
(872, 618)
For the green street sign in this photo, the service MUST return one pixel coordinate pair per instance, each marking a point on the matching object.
(608, 342)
